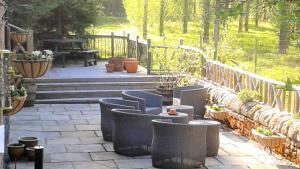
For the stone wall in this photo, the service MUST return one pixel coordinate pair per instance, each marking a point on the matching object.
(246, 116)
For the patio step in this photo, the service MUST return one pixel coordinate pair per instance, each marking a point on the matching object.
(71, 100)
(95, 86)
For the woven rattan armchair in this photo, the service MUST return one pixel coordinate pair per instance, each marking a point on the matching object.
(132, 132)
(106, 115)
(149, 103)
(178, 146)
(195, 96)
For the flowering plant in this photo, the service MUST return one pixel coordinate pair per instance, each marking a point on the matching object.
(36, 55)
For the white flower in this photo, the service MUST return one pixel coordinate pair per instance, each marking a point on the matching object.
(36, 53)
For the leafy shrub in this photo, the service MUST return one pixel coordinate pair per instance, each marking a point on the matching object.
(216, 107)
(17, 92)
(265, 132)
(249, 96)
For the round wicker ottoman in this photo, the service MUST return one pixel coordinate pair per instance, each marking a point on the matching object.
(179, 118)
(184, 109)
(212, 136)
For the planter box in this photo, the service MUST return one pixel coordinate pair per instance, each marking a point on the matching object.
(269, 141)
(217, 115)
(32, 68)
(17, 105)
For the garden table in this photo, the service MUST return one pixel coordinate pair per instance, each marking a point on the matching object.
(212, 135)
(184, 109)
(179, 118)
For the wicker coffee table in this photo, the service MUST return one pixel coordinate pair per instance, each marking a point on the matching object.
(184, 109)
(179, 118)
(212, 136)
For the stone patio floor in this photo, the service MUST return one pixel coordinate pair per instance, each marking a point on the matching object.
(72, 139)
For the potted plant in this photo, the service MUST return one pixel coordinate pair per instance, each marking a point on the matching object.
(248, 96)
(33, 65)
(217, 112)
(118, 62)
(131, 65)
(18, 97)
(267, 137)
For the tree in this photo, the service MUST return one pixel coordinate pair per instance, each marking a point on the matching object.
(185, 15)
(256, 13)
(206, 20)
(247, 12)
(216, 29)
(145, 20)
(284, 27)
(53, 16)
(161, 17)
(241, 20)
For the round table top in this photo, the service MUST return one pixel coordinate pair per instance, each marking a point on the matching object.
(179, 114)
(180, 107)
(205, 122)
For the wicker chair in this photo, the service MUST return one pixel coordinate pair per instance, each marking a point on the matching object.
(195, 96)
(149, 103)
(178, 146)
(106, 115)
(132, 132)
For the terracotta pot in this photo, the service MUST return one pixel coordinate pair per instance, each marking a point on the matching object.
(132, 66)
(167, 95)
(217, 115)
(32, 68)
(128, 59)
(17, 105)
(110, 68)
(269, 141)
(15, 151)
(29, 141)
(118, 62)
(19, 37)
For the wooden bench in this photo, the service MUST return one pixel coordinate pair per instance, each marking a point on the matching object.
(90, 56)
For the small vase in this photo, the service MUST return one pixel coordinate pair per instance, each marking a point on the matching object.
(110, 68)
(131, 66)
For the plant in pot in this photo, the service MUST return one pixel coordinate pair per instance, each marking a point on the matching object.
(248, 96)
(118, 61)
(217, 112)
(268, 137)
(18, 97)
(33, 65)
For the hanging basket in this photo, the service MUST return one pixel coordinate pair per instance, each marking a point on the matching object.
(17, 105)
(32, 68)
(269, 141)
(19, 37)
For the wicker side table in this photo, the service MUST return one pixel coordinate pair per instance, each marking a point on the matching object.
(184, 109)
(212, 136)
(179, 118)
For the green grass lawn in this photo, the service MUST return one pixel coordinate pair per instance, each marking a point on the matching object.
(234, 46)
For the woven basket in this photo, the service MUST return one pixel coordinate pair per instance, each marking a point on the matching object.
(17, 105)
(268, 141)
(32, 68)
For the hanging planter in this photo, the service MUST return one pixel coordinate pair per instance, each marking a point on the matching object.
(17, 105)
(34, 65)
(19, 37)
(268, 138)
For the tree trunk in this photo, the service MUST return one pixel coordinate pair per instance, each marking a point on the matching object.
(161, 17)
(226, 7)
(265, 14)
(256, 13)
(216, 29)
(185, 16)
(2, 27)
(145, 21)
(247, 15)
(284, 29)
(206, 20)
(241, 20)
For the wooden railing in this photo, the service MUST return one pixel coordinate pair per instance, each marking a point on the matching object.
(272, 92)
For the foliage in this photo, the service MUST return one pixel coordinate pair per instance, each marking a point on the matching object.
(248, 96)
(296, 115)
(17, 92)
(11, 71)
(54, 16)
(265, 132)
(36, 55)
(216, 107)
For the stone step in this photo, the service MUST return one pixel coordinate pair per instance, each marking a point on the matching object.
(141, 78)
(71, 100)
(81, 94)
(95, 86)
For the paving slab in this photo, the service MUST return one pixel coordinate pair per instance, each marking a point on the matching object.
(109, 164)
(107, 156)
(69, 157)
(64, 141)
(59, 128)
(92, 140)
(108, 146)
(55, 117)
(72, 122)
(55, 148)
(87, 148)
(134, 163)
(72, 134)
(89, 127)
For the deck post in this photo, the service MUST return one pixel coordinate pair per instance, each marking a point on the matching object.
(149, 58)
(137, 48)
(128, 45)
(112, 45)
(30, 42)
(180, 42)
